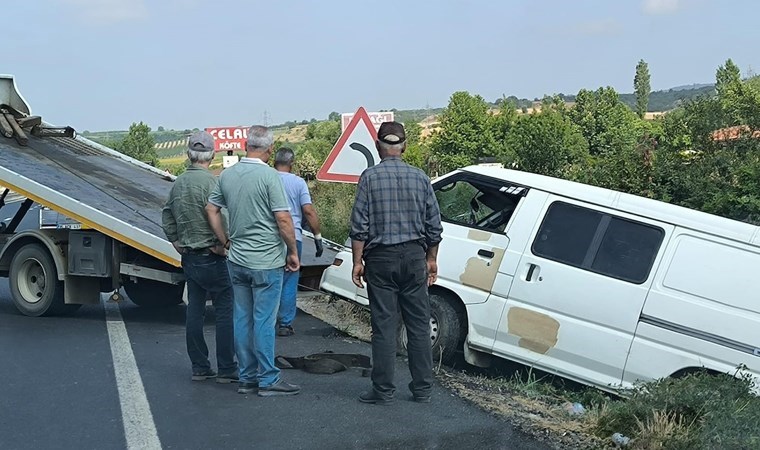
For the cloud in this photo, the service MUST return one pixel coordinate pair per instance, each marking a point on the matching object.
(660, 7)
(601, 27)
(105, 12)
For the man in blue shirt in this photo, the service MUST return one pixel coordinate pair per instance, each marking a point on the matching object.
(300, 206)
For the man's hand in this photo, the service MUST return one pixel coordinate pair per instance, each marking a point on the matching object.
(432, 269)
(358, 274)
(318, 245)
(219, 250)
(292, 264)
(177, 247)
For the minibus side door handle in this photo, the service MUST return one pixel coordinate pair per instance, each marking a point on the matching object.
(531, 269)
(485, 253)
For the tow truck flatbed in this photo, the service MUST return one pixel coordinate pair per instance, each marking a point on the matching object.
(116, 199)
(100, 190)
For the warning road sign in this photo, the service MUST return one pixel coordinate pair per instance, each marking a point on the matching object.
(353, 153)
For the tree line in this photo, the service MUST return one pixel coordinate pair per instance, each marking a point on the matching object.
(704, 154)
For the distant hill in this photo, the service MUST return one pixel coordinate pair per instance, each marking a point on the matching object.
(670, 99)
(659, 101)
(687, 87)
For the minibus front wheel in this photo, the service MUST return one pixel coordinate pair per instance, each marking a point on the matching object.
(445, 329)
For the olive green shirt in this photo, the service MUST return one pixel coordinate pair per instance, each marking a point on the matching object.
(252, 192)
(184, 216)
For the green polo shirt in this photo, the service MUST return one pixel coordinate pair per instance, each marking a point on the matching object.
(184, 218)
(252, 192)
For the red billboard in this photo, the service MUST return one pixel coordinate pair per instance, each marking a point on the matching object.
(229, 138)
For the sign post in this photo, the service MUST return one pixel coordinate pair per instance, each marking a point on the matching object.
(375, 117)
(229, 138)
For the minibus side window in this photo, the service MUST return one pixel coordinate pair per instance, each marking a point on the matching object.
(567, 233)
(598, 242)
(628, 250)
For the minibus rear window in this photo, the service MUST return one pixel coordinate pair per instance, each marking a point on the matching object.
(599, 242)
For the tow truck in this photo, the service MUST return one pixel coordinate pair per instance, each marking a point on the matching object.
(86, 219)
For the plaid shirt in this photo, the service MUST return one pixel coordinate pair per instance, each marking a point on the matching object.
(394, 204)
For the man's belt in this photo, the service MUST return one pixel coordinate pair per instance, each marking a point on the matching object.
(197, 251)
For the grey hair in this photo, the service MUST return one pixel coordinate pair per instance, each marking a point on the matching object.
(199, 157)
(259, 138)
(284, 157)
(392, 148)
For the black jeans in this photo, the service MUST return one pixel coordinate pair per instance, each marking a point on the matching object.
(208, 275)
(397, 282)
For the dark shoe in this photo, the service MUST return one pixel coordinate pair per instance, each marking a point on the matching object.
(285, 330)
(373, 397)
(203, 375)
(421, 398)
(248, 387)
(279, 388)
(227, 378)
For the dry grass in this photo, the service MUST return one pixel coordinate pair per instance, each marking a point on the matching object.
(540, 415)
(346, 317)
(663, 427)
(295, 134)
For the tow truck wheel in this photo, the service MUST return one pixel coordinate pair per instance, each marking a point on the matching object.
(148, 293)
(35, 288)
(445, 330)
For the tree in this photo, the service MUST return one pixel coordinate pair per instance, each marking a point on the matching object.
(139, 144)
(465, 132)
(728, 84)
(546, 143)
(606, 122)
(334, 116)
(306, 165)
(416, 155)
(413, 132)
(328, 131)
(502, 122)
(161, 129)
(642, 88)
(739, 101)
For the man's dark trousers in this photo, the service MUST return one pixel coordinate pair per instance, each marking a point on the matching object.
(207, 274)
(397, 281)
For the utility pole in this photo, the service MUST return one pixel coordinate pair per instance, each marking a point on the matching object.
(266, 118)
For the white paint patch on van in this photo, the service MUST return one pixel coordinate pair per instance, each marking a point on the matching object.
(477, 235)
(537, 332)
(480, 273)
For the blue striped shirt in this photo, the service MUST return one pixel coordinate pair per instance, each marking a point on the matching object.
(394, 204)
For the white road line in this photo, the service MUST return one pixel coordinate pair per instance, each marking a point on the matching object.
(139, 427)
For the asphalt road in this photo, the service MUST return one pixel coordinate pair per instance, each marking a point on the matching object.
(58, 390)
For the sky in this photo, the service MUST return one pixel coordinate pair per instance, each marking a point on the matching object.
(102, 64)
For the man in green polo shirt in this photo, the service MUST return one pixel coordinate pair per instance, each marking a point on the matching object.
(262, 242)
(203, 262)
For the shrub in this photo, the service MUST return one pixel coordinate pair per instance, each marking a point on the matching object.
(333, 202)
(698, 410)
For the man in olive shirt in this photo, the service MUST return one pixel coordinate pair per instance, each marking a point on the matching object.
(186, 226)
(262, 242)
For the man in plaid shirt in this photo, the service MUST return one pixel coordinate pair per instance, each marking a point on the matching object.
(395, 232)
